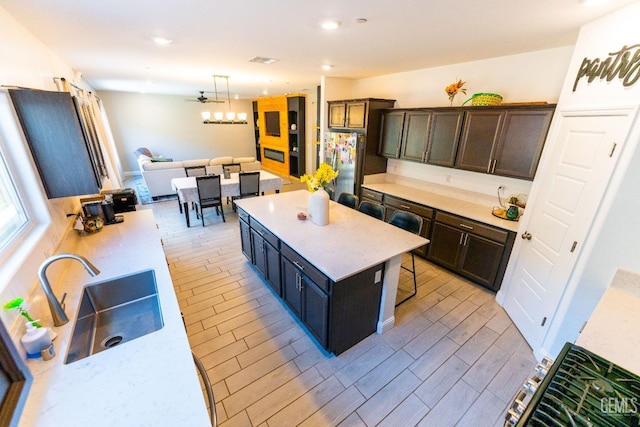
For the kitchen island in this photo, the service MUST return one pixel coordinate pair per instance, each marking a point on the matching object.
(352, 249)
(149, 381)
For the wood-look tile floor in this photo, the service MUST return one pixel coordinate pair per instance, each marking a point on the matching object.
(454, 358)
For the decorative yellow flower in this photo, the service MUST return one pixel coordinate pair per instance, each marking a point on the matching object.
(323, 176)
(453, 89)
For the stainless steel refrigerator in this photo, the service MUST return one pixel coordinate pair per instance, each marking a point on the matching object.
(341, 151)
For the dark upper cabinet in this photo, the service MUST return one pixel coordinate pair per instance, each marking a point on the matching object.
(504, 141)
(425, 135)
(444, 134)
(415, 135)
(479, 136)
(391, 133)
(347, 114)
(57, 141)
(521, 141)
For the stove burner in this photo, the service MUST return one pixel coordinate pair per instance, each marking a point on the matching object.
(602, 388)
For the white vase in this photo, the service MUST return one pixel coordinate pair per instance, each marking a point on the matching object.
(319, 207)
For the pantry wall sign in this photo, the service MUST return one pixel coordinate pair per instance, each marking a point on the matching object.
(623, 65)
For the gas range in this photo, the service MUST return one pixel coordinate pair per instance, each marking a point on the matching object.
(579, 389)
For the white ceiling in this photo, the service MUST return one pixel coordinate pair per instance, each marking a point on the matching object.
(109, 42)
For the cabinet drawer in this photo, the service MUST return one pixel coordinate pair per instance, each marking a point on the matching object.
(404, 205)
(266, 234)
(370, 194)
(472, 227)
(309, 270)
(243, 215)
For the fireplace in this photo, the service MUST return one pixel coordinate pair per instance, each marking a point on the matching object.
(276, 155)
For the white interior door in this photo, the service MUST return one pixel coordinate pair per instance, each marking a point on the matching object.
(586, 148)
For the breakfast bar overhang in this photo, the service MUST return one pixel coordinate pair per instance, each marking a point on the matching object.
(350, 244)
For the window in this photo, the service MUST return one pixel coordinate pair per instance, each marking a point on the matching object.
(12, 213)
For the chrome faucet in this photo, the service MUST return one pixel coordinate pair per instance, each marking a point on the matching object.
(57, 311)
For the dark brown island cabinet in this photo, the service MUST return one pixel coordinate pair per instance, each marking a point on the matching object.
(504, 141)
(337, 314)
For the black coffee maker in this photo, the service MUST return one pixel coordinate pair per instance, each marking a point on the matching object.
(103, 209)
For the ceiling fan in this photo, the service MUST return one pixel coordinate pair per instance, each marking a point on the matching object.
(203, 99)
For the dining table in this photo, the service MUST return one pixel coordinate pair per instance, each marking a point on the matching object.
(187, 190)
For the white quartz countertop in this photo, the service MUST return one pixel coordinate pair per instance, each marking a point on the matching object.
(350, 243)
(150, 381)
(452, 204)
(613, 329)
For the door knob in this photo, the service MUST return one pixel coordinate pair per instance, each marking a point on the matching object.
(526, 235)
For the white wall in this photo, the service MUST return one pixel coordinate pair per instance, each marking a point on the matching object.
(28, 62)
(614, 240)
(170, 126)
(528, 77)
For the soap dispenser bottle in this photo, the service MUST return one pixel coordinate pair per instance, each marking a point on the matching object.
(34, 340)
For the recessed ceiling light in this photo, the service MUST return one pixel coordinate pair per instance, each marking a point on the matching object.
(330, 25)
(327, 67)
(361, 20)
(161, 41)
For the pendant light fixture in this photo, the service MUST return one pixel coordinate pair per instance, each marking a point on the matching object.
(220, 117)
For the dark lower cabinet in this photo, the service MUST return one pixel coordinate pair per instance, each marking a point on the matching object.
(305, 298)
(476, 251)
(245, 235)
(266, 258)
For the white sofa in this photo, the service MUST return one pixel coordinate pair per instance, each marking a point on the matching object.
(158, 173)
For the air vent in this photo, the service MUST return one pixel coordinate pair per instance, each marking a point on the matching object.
(263, 60)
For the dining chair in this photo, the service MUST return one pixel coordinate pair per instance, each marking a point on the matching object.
(348, 199)
(249, 186)
(209, 195)
(195, 170)
(413, 224)
(373, 209)
(214, 170)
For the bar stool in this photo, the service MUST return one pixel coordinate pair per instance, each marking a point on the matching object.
(413, 224)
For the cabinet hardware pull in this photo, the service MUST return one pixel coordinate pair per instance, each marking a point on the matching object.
(613, 148)
(493, 168)
(543, 321)
(405, 207)
(466, 239)
(489, 167)
(526, 235)
(461, 239)
(301, 267)
(573, 247)
(468, 227)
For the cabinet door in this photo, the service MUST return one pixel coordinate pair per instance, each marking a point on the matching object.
(481, 259)
(521, 142)
(391, 134)
(445, 245)
(356, 115)
(259, 257)
(316, 310)
(291, 280)
(479, 138)
(337, 113)
(443, 137)
(245, 240)
(272, 256)
(415, 135)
